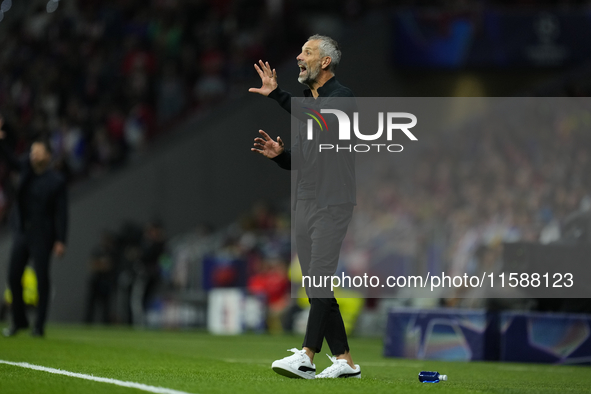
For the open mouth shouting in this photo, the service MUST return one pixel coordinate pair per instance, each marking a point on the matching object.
(303, 68)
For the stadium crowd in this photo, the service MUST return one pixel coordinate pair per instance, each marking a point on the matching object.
(491, 181)
(102, 78)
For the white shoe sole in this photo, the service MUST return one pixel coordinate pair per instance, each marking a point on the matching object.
(287, 371)
(356, 375)
(345, 376)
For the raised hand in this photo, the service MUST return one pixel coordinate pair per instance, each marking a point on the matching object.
(266, 146)
(268, 79)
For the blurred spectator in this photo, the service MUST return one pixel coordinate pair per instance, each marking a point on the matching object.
(147, 270)
(102, 281)
(271, 282)
(128, 254)
(171, 99)
(135, 129)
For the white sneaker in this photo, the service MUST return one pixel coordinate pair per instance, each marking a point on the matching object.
(340, 369)
(298, 365)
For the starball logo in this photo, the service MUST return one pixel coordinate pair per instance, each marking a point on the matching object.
(391, 120)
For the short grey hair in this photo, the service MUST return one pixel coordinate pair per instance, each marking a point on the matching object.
(328, 47)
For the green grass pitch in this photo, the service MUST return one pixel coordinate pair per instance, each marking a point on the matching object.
(199, 363)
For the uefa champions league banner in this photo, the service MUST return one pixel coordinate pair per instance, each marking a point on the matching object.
(491, 38)
(460, 334)
(423, 197)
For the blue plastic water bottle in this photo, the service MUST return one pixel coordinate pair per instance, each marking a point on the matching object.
(431, 377)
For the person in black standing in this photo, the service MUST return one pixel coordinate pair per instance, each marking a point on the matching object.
(147, 271)
(325, 197)
(39, 221)
(101, 283)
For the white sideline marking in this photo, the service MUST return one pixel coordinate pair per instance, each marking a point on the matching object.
(139, 386)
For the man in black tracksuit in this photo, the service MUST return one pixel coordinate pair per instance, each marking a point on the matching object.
(39, 221)
(324, 201)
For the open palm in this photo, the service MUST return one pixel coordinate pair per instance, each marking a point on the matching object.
(267, 147)
(268, 79)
